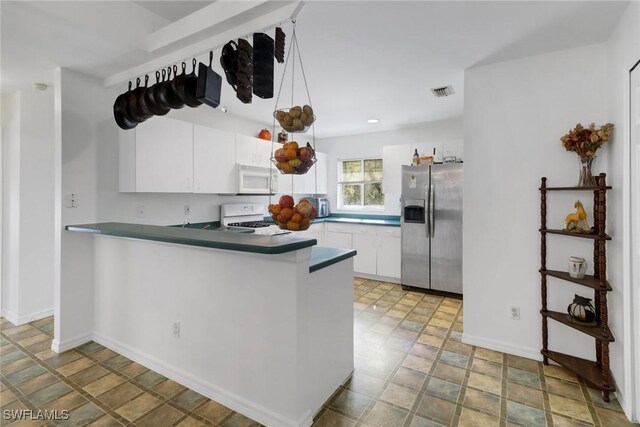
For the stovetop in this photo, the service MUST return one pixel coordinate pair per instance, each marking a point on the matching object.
(250, 224)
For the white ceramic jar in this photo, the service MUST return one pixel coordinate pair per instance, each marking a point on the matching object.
(577, 267)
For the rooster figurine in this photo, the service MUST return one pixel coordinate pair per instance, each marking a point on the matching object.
(573, 220)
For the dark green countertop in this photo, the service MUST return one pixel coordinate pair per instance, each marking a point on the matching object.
(199, 237)
(388, 220)
(324, 257)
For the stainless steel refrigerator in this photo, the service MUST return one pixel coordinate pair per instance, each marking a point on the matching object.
(432, 227)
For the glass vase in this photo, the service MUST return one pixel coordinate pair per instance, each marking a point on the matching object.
(586, 178)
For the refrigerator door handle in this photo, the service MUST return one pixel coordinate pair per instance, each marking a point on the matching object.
(432, 214)
(428, 215)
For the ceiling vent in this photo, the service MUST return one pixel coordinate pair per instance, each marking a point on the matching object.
(442, 91)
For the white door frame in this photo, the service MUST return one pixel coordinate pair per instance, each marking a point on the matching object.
(633, 249)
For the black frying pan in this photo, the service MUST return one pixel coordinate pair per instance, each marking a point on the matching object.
(209, 84)
(150, 100)
(132, 109)
(173, 99)
(119, 109)
(191, 87)
(177, 84)
(158, 90)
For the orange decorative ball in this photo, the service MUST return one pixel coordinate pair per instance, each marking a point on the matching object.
(265, 134)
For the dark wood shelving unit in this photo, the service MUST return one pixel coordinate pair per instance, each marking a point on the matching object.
(594, 236)
(573, 188)
(588, 281)
(595, 374)
(598, 331)
(590, 372)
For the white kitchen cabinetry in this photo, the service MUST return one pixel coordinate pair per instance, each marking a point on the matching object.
(165, 155)
(379, 251)
(214, 161)
(338, 240)
(252, 151)
(315, 231)
(306, 184)
(365, 261)
(389, 256)
(161, 157)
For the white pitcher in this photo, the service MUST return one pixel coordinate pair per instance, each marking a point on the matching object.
(577, 267)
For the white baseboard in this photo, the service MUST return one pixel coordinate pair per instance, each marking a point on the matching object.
(516, 350)
(376, 277)
(31, 317)
(233, 401)
(59, 347)
(10, 316)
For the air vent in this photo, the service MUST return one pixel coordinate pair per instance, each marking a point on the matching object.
(442, 91)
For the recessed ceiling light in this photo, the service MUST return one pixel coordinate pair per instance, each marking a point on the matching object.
(373, 121)
(224, 109)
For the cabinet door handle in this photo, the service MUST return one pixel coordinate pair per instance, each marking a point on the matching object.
(188, 183)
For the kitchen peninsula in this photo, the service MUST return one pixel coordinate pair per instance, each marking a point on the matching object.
(262, 324)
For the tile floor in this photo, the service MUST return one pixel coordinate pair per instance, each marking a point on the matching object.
(411, 370)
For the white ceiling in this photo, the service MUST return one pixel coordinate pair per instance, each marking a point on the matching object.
(362, 59)
(173, 10)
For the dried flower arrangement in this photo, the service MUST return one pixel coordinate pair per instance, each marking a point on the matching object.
(586, 141)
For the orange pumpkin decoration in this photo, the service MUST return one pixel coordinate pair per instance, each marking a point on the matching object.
(291, 153)
(275, 208)
(291, 145)
(285, 214)
(305, 223)
(285, 167)
(293, 226)
(280, 155)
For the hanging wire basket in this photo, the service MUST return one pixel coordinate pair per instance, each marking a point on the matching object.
(291, 159)
(295, 119)
(294, 160)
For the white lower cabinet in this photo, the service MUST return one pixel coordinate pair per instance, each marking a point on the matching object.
(316, 231)
(379, 251)
(338, 240)
(389, 256)
(365, 261)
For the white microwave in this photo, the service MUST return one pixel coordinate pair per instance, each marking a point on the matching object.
(256, 180)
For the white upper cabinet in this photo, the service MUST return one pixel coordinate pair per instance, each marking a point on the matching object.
(214, 161)
(164, 156)
(253, 151)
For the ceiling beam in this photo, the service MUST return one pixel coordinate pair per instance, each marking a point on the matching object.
(265, 22)
(203, 19)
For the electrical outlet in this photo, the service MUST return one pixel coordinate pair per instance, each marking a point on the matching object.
(71, 200)
(187, 210)
(514, 312)
(176, 329)
(141, 212)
